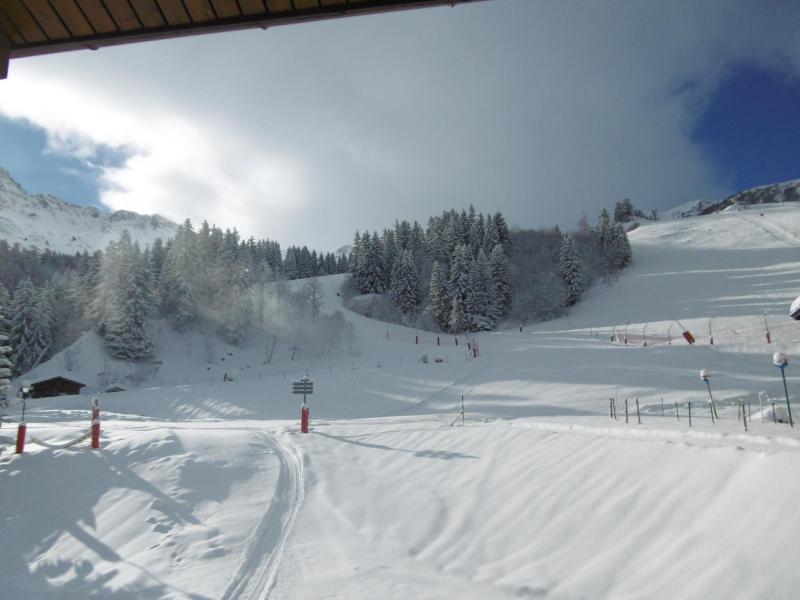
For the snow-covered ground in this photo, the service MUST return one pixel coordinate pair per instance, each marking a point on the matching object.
(204, 489)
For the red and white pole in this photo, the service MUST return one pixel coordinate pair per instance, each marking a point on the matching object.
(305, 413)
(95, 423)
(21, 431)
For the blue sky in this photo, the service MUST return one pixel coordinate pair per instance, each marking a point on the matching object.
(24, 154)
(751, 127)
(542, 110)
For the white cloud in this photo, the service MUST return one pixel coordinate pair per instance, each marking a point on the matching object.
(304, 133)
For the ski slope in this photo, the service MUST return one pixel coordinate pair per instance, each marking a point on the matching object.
(208, 490)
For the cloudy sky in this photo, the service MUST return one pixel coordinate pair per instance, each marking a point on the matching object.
(541, 109)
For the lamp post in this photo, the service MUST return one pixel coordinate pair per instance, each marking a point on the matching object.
(780, 360)
(705, 376)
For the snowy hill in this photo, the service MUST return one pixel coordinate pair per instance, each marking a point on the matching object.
(46, 222)
(787, 191)
(207, 489)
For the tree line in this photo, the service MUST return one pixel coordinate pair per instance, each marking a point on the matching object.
(467, 271)
(47, 299)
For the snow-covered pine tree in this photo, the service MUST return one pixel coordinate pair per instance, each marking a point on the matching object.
(24, 328)
(6, 366)
(237, 309)
(405, 292)
(353, 257)
(373, 269)
(438, 301)
(456, 320)
(44, 324)
(481, 308)
(390, 256)
(503, 233)
(105, 279)
(127, 336)
(178, 278)
(477, 233)
(459, 282)
(570, 268)
(498, 266)
(491, 237)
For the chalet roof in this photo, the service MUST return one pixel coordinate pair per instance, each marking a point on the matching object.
(58, 378)
(32, 27)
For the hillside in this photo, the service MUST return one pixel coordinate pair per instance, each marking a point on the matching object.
(787, 191)
(46, 222)
(207, 489)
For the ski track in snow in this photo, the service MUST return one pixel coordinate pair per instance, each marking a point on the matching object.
(775, 231)
(258, 569)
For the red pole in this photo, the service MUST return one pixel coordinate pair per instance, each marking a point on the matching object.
(95, 423)
(304, 415)
(769, 339)
(21, 430)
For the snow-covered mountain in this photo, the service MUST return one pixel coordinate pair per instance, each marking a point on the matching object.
(47, 222)
(787, 191)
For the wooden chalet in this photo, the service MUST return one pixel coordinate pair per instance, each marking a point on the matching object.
(55, 386)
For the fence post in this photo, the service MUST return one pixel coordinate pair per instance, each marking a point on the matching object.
(638, 414)
(677, 414)
(662, 407)
(774, 417)
(626, 410)
(610, 409)
(744, 415)
(690, 413)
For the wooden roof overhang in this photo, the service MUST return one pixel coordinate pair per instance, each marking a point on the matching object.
(33, 27)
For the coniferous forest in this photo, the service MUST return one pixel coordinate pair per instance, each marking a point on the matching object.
(463, 272)
(468, 271)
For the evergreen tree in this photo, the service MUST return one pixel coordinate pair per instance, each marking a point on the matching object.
(6, 366)
(491, 236)
(127, 335)
(237, 311)
(623, 211)
(373, 270)
(457, 321)
(617, 248)
(24, 328)
(179, 277)
(498, 266)
(571, 270)
(438, 299)
(405, 292)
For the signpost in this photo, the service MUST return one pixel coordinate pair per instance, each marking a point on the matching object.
(306, 387)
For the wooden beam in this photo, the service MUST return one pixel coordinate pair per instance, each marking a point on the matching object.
(203, 20)
(5, 54)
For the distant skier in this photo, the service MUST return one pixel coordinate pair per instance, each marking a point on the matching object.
(226, 377)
